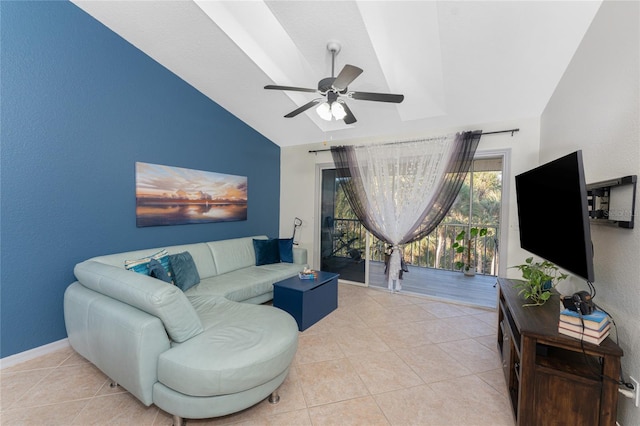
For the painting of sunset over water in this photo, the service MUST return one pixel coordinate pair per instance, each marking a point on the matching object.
(168, 195)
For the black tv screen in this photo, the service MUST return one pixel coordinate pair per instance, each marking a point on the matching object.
(553, 214)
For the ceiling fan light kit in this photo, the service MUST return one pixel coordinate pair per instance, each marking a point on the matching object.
(333, 88)
(324, 111)
(337, 110)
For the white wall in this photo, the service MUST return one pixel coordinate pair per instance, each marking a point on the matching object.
(596, 108)
(299, 169)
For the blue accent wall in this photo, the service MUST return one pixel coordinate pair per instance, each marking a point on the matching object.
(79, 106)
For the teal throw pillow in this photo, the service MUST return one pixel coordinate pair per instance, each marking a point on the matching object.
(267, 251)
(285, 246)
(185, 274)
(157, 271)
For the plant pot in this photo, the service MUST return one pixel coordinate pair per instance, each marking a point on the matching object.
(469, 272)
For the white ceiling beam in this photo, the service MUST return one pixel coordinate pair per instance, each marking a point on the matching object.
(406, 39)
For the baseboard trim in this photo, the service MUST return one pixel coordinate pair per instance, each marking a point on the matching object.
(12, 360)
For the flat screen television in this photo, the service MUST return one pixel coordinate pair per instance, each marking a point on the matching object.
(553, 214)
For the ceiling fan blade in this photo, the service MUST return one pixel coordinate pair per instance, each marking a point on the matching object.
(379, 97)
(349, 118)
(346, 76)
(295, 89)
(303, 108)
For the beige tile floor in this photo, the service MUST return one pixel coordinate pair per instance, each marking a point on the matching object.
(379, 359)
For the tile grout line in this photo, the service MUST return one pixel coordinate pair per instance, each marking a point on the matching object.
(342, 322)
(51, 370)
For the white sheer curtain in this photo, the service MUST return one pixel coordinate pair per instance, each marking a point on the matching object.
(401, 191)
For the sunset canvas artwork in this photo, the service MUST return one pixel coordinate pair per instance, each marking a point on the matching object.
(167, 195)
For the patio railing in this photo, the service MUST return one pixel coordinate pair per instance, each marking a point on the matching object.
(433, 251)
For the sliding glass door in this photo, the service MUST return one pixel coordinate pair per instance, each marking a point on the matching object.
(346, 247)
(342, 238)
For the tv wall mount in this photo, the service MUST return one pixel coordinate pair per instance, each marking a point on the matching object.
(613, 202)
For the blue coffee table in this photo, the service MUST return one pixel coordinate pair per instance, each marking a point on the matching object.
(308, 301)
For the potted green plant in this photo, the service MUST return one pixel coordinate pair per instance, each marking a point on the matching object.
(463, 245)
(538, 278)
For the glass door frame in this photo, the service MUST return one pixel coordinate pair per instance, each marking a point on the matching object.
(317, 252)
(505, 154)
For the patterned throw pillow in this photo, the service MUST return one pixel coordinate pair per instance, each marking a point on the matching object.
(141, 266)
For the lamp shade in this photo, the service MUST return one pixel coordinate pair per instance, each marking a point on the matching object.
(324, 111)
(337, 110)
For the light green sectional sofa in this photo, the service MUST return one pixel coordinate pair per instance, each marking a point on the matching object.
(206, 352)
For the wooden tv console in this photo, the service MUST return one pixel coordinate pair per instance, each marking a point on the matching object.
(554, 379)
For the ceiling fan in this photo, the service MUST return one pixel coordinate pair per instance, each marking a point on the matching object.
(334, 90)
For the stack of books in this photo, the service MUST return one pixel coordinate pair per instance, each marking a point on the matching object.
(592, 328)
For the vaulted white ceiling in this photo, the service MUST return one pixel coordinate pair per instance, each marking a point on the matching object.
(457, 63)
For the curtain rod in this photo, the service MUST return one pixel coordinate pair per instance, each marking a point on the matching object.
(512, 131)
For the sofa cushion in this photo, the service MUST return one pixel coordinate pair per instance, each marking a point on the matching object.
(245, 283)
(185, 273)
(200, 253)
(150, 295)
(232, 354)
(267, 251)
(233, 254)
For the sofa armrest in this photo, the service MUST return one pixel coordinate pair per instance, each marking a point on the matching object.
(150, 295)
(125, 343)
(300, 255)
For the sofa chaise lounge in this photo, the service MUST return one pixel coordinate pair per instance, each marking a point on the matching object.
(208, 351)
